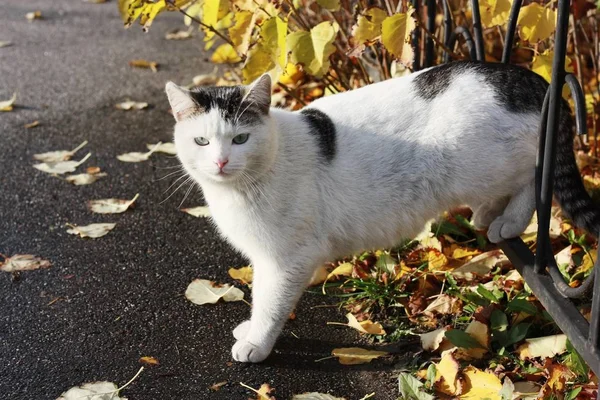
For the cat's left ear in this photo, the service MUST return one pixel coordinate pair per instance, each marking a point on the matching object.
(260, 93)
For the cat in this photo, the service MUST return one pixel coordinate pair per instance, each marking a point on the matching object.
(365, 169)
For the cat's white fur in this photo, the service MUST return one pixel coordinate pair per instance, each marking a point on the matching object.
(400, 160)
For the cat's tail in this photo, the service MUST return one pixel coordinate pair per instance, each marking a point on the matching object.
(568, 185)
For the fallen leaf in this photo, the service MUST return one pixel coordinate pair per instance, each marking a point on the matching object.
(436, 259)
(543, 347)
(446, 375)
(131, 105)
(23, 262)
(111, 206)
(205, 79)
(202, 291)
(356, 355)
(368, 326)
(480, 385)
(150, 361)
(316, 396)
(262, 392)
(32, 124)
(168, 148)
(85, 179)
(7, 105)
(92, 231)
(137, 156)
(319, 276)
(61, 167)
(244, 274)
(33, 15)
(217, 386)
(5, 44)
(480, 265)
(59, 155)
(444, 304)
(480, 332)
(526, 390)
(200, 211)
(151, 65)
(463, 252)
(530, 233)
(93, 391)
(179, 34)
(431, 341)
(344, 269)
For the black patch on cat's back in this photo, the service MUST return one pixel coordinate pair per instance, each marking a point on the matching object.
(229, 100)
(322, 127)
(518, 89)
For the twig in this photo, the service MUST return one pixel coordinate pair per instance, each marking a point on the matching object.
(437, 41)
(288, 91)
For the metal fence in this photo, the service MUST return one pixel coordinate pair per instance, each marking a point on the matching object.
(539, 270)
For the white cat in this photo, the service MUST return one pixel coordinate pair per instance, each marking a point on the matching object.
(363, 170)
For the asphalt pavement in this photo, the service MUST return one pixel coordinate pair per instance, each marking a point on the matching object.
(107, 302)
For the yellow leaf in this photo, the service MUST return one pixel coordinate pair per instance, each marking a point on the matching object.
(151, 361)
(436, 260)
(291, 74)
(241, 31)
(319, 276)
(244, 274)
(356, 355)
(344, 269)
(7, 105)
(368, 326)
(331, 5)
(273, 32)
(152, 65)
(480, 385)
(312, 49)
(258, 61)
(395, 36)
(212, 12)
(462, 252)
(368, 25)
(494, 12)
(446, 375)
(536, 22)
(225, 54)
(480, 332)
(542, 65)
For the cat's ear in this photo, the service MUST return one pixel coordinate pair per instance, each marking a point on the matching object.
(182, 103)
(260, 93)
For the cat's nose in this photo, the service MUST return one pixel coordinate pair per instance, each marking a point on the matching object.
(221, 163)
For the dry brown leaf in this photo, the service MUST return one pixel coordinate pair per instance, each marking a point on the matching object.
(7, 105)
(356, 355)
(152, 65)
(137, 156)
(59, 155)
(85, 179)
(61, 167)
(543, 347)
(168, 148)
(217, 386)
(446, 375)
(200, 211)
(480, 265)
(179, 34)
(150, 361)
(368, 326)
(202, 291)
(244, 274)
(111, 206)
(32, 125)
(131, 105)
(23, 262)
(431, 341)
(92, 231)
(480, 385)
(33, 15)
(443, 304)
(263, 393)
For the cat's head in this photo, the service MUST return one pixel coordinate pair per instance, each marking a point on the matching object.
(223, 134)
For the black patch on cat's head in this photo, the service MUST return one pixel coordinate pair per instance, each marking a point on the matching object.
(322, 127)
(230, 101)
(517, 88)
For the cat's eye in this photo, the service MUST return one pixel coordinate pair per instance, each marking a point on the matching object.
(241, 138)
(201, 141)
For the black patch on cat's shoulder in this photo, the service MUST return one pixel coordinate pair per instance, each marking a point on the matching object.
(229, 100)
(322, 127)
(517, 88)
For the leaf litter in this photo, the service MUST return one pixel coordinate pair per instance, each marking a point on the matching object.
(61, 167)
(200, 211)
(92, 231)
(23, 262)
(144, 64)
(168, 148)
(131, 105)
(137, 156)
(59, 155)
(8, 105)
(111, 206)
(203, 291)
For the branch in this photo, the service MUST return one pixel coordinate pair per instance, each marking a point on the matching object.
(437, 41)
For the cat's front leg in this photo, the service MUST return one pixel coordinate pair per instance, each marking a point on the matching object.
(275, 292)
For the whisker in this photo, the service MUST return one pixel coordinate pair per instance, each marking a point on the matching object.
(168, 175)
(187, 193)
(174, 182)
(175, 191)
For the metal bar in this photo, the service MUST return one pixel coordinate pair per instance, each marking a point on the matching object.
(415, 38)
(564, 312)
(543, 236)
(461, 30)
(477, 30)
(510, 30)
(447, 23)
(429, 49)
(579, 98)
(594, 333)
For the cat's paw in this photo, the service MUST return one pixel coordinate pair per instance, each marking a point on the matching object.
(504, 228)
(241, 331)
(244, 351)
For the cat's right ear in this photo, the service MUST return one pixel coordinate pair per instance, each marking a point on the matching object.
(182, 103)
